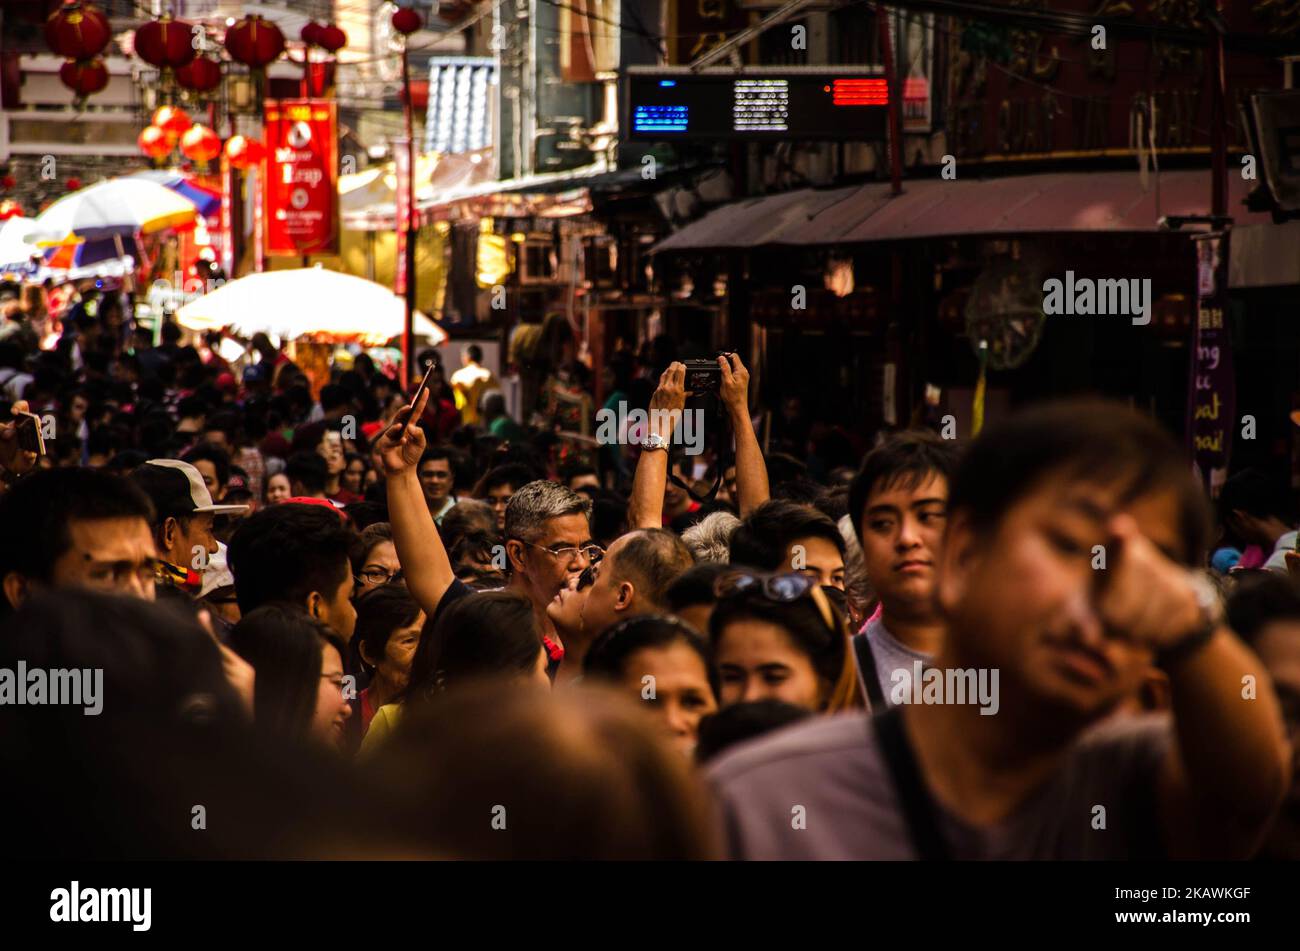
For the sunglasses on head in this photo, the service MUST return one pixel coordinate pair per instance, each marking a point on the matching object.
(781, 588)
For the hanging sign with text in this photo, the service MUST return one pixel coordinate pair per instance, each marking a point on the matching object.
(301, 187)
(1211, 396)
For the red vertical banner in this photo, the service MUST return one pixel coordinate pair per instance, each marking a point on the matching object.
(300, 190)
(259, 227)
(402, 170)
(226, 226)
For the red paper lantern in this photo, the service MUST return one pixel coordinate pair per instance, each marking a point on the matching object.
(8, 182)
(173, 122)
(254, 41)
(77, 30)
(73, 184)
(243, 152)
(202, 75)
(84, 78)
(200, 144)
(407, 20)
(166, 43)
(154, 142)
(332, 38)
(310, 33)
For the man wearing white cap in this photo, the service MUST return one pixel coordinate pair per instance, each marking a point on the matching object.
(182, 527)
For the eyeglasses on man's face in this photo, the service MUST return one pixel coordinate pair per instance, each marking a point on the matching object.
(569, 553)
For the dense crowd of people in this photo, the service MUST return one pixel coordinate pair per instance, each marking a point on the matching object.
(356, 620)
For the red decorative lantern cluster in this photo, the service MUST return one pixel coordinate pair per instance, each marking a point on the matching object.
(243, 152)
(407, 20)
(77, 30)
(166, 43)
(84, 77)
(80, 32)
(155, 143)
(310, 34)
(200, 144)
(255, 42)
(202, 75)
(172, 121)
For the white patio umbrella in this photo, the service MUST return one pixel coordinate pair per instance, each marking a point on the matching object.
(114, 206)
(15, 250)
(306, 302)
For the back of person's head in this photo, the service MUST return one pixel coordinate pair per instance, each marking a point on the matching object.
(694, 586)
(763, 538)
(607, 657)
(582, 775)
(1257, 493)
(1092, 442)
(710, 538)
(744, 721)
(284, 646)
(511, 474)
(909, 460)
(492, 633)
(36, 515)
(1260, 599)
(308, 470)
(494, 405)
(286, 552)
(474, 352)
(466, 516)
(652, 559)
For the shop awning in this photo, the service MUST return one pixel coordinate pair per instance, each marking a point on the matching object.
(936, 208)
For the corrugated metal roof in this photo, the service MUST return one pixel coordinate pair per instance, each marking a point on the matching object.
(932, 208)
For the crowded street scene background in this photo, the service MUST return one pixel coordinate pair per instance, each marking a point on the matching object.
(657, 431)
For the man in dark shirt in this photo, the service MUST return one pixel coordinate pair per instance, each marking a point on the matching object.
(1062, 578)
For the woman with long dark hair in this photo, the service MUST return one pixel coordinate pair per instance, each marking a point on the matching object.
(664, 663)
(298, 662)
(490, 635)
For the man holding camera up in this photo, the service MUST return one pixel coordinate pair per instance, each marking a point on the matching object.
(646, 509)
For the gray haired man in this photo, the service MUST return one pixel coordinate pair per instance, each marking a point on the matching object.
(547, 533)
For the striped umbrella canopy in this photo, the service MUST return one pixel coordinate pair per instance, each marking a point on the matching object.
(116, 206)
(204, 199)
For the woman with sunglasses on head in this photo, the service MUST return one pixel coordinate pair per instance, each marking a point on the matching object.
(660, 661)
(780, 637)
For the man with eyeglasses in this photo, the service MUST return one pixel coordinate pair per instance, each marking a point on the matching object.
(547, 534)
(75, 528)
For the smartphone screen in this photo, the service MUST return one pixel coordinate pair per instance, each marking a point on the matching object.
(29, 433)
